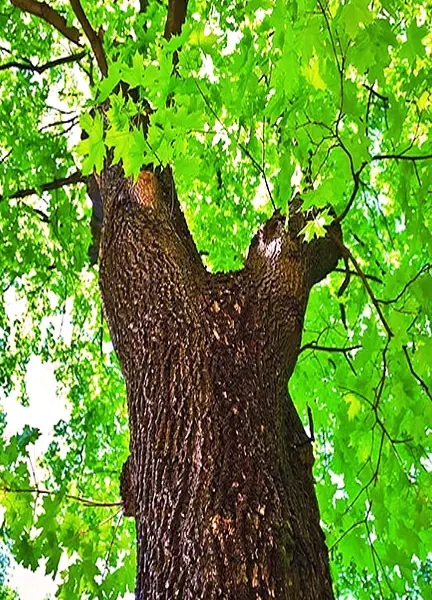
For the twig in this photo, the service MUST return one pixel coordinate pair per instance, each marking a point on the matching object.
(378, 420)
(240, 145)
(375, 93)
(314, 346)
(51, 16)
(374, 559)
(402, 157)
(371, 277)
(120, 514)
(345, 533)
(380, 387)
(419, 379)
(76, 177)
(347, 278)
(42, 216)
(73, 121)
(94, 39)
(424, 269)
(374, 477)
(29, 66)
(375, 302)
(6, 156)
(347, 208)
(86, 501)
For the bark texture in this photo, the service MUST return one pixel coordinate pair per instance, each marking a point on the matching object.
(219, 477)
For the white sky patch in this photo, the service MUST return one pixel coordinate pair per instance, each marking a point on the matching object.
(45, 408)
(296, 177)
(221, 134)
(233, 39)
(261, 197)
(207, 69)
(31, 585)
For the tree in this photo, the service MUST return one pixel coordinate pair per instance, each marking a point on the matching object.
(294, 138)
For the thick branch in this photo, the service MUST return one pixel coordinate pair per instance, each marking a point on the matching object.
(76, 177)
(51, 16)
(92, 36)
(175, 18)
(29, 66)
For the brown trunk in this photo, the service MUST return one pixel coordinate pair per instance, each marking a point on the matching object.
(220, 473)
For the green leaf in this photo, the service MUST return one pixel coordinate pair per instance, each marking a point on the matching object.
(317, 226)
(92, 148)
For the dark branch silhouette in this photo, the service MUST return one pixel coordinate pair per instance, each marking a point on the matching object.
(402, 157)
(86, 501)
(175, 18)
(419, 379)
(51, 16)
(424, 269)
(372, 296)
(314, 346)
(27, 65)
(94, 39)
(76, 177)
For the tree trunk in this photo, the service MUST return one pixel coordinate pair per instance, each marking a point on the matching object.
(219, 477)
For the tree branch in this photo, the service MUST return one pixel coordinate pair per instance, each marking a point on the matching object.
(29, 66)
(402, 157)
(92, 36)
(51, 16)
(42, 216)
(76, 177)
(85, 501)
(72, 122)
(175, 18)
(347, 208)
(256, 164)
(5, 156)
(419, 379)
(424, 269)
(360, 273)
(375, 93)
(314, 346)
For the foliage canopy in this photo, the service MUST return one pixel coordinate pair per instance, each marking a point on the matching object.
(331, 99)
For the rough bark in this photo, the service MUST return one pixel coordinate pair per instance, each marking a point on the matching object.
(219, 477)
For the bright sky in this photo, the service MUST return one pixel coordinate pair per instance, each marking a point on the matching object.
(46, 408)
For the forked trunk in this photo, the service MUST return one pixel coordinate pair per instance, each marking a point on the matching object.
(219, 477)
